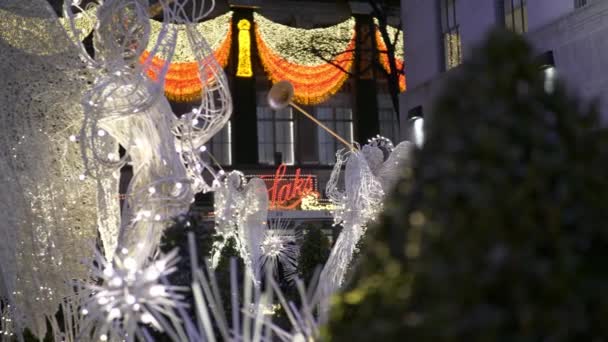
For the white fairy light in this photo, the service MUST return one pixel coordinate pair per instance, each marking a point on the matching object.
(73, 138)
(114, 307)
(101, 133)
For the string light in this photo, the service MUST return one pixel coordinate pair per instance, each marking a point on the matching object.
(182, 82)
(41, 29)
(314, 79)
(399, 53)
(244, 65)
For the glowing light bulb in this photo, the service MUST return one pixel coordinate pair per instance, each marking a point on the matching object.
(130, 264)
(103, 337)
(116, 282)
(179, 185)
(101, 133)
(82, 177)
(157, 290)
(202, 148)
(151, 190)
(72, 138)
(147, 318)
(130, 299)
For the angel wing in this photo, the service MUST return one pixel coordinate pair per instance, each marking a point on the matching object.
(252, 223)
(363, 191)
(48, 214)
(391, 169)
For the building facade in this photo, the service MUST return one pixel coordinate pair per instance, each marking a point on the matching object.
(349, 93)
(439, 34)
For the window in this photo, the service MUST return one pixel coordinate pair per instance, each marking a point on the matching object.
(275, 135)
(389, 126)
(451, 36)
(340, 120)
(516, 15)
(220, 146)
(579, 3)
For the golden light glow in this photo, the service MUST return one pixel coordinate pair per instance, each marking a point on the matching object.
(244, 66)
(182, 82)
(312, 202)
(215, 32)
(399, 53)
(42, 33)
(313, 78)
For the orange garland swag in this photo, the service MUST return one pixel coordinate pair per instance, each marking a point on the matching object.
(383, 57)
(182, 82)
(312, 84)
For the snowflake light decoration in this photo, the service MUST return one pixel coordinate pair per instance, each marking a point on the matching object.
(129, 298)
(279, 249)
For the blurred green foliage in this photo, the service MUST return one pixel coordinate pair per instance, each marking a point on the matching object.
(498, 233)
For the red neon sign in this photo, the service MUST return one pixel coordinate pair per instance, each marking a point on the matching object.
(286, 192)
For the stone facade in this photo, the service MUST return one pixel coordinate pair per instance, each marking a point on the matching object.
(577, 37)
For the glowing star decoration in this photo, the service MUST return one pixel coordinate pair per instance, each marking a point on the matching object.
(280, 250)
(369, 174)
(313, 78)
(397, 34)
(182, 82)
(130, 298)
(244, 66)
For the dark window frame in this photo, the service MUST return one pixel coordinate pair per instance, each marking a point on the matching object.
(514, 11)
(333, 123)
(452, 51)
(275, 118)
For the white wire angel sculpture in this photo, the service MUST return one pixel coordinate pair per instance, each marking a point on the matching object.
(241, 209)
(127, 104)
(369, 173)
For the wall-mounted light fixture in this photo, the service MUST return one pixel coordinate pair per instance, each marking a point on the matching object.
(416, 123)
(547, 64)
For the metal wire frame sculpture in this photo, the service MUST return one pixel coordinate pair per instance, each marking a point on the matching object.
(126, 105)
(369, 173)
(241, 209)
